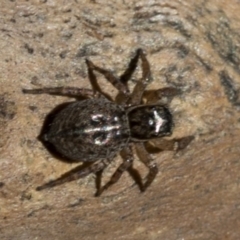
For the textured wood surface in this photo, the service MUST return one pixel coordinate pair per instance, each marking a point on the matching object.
(191, 45)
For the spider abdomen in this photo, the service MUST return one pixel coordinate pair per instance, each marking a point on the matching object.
(89, 130)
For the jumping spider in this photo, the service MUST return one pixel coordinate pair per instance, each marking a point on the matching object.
(97, 128)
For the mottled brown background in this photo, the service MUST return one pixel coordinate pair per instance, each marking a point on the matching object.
(192, 45)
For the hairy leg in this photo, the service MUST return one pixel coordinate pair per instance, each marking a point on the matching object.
(126, 76)
(120, 170)
(63, 91)
(148, 161)
(73, 175)
(154, 96)
(118, 83)
(93, 79)
(175, 144)
(141, 85)
(109, 76)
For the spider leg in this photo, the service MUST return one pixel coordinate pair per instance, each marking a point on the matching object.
(109, 76)
(118, 173)
(72, 175)
(126, 76)
(153, 96)
(148, 161)
(175, 144)
(64, 91)
(141, 85)
(93, 79)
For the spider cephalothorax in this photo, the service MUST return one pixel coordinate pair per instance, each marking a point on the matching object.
(149, 121)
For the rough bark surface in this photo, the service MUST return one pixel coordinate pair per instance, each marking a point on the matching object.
(191, 45)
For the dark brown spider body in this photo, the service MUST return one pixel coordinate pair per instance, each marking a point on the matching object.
(89, 130)
(96, 129)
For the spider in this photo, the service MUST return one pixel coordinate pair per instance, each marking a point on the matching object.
(96, 129)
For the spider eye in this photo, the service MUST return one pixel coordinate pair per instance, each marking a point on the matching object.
(150, 122)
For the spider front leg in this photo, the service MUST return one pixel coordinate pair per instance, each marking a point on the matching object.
(120, 170)
(175, 144)
(162, 94)
(74, 175)
(148, 161)
(64, 91)
(141, 85)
